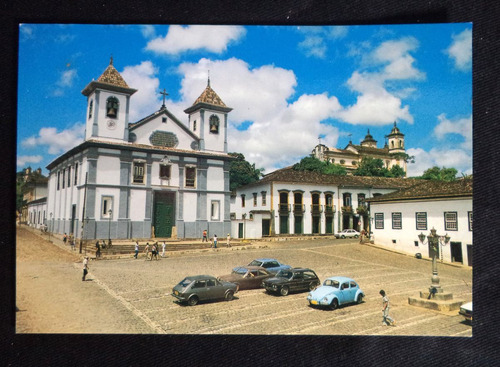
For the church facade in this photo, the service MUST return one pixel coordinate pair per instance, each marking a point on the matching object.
(393, 153)
(156, 177)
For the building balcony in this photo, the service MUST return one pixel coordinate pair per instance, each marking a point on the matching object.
(284, 208)
(347, 209)
(329, 209)
(299, 208)
(316, 208)
(362, 210)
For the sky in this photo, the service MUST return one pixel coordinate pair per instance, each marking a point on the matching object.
(290, 87)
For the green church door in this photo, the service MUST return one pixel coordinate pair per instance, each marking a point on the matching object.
(164, 212)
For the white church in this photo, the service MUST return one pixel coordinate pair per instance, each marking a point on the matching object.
(157, 177)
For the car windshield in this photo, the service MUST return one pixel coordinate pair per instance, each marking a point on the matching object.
(239, 271)
(255, 263)
(285, 274)
(331, 283)
(185, 282)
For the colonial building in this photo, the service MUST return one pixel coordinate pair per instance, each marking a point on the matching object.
(400, 217)
(156, 177)
(34, 190)
(300, 202)
(393, 153)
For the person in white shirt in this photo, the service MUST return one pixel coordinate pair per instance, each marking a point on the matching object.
(85, 267)
(163, 249)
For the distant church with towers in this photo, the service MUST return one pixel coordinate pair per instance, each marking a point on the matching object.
(393, 153)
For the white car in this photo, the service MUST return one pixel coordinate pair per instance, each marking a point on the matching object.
(347, 233)
(466, 311)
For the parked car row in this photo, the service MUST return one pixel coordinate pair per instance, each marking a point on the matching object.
(275, 278)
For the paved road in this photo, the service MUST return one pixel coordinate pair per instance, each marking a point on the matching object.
(144, 287)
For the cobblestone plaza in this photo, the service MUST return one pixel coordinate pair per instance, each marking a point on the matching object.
(143, 288)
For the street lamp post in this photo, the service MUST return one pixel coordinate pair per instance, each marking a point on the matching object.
(435, 240)
(110, 212)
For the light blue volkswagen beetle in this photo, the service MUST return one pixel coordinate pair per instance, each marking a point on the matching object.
(336, 291)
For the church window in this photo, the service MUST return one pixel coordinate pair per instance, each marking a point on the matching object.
(191, 177)
(194, 125)
(112, 107)
(138, 172)
(215, 210)
(58, 179)
(69, 176)
(63, 177)
(91, 106)
(165, 171)
(164, 120)
(342, 161)
(354, 163)
(76, 173)
(214, 124)
(107, 207)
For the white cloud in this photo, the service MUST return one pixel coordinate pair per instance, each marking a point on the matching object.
(24, 160)
(277, 135)
(460, 51)
(460, 126)
(375, 105)
(459, 159)
(26, 32)
(67, 78)
(316, 39)
(143, 78)
(148, 31)
(56, 142)
(196, 37)
(314, 46)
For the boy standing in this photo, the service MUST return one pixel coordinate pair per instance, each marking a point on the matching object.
(387, 320)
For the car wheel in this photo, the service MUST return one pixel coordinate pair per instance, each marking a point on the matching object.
(229, 295)
(360, 298)
(356, 236)
(342, 236)
(334, 304)
(193, 301)
(312, 285)
(284, 291)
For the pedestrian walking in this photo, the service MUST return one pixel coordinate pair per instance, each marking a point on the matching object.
(146, 250)
(154, 252)
(72, 243)
(362, 236)
(228, 240)
(85, 267)
(163, 249)
(98, 250)
(387, 320)
(215, 241)
(136, 249)
(65, 238)
(204, 239)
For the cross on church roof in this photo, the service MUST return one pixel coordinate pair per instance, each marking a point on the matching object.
(164, 93)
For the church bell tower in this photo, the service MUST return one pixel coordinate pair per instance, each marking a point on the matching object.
(108, 101)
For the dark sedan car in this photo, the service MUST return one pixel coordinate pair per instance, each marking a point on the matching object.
(292, 280)
(247, 277)
(197, 288)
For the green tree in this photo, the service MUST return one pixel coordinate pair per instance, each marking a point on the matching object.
(397, 171)
(242, 172)
(311, 163)
(440, 174)
(372, 167)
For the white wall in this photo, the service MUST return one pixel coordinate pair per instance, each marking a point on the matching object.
(108, 169)
(404, 239)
